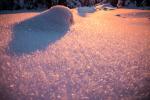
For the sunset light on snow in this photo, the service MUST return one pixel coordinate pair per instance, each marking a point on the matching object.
(86, 53)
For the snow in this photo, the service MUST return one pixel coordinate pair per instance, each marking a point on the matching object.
(37, 32)
(101, 56)
(106, 6)
(82, 11)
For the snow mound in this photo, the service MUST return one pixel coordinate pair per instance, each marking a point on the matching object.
(82, 11)
(38, 32)
(106, 6)
(59, 13)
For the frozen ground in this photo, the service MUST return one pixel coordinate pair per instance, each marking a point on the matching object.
(104, 55)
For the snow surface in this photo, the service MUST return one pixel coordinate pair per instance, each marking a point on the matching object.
(82, 11)
(101, 57)
(106, 6)
(42, 29)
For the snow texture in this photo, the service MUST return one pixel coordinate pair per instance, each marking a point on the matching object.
(37, 32)
(100, 57)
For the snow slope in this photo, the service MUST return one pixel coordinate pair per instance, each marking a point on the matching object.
(102, 57)
(37, 32)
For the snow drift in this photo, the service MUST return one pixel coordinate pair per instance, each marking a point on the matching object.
(82, 11)
(102, 57)
(36, 33)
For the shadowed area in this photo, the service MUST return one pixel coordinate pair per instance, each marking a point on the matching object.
(38, 32)
(82, 11)
(136, 15)
(5, 93)
(20, 11)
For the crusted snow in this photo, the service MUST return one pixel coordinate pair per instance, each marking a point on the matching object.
(100, 57)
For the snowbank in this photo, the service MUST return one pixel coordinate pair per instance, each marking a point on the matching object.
(37, 32)
(82, 11)
(106, 6)
(102, 57)
(59, 14)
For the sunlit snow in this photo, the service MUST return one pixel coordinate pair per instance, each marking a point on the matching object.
(101, 56)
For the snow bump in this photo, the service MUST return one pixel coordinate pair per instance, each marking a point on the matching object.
(38, 32)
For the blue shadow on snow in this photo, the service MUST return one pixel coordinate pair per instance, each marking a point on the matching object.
(37, 33)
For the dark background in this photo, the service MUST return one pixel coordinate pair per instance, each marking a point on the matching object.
(34, 4)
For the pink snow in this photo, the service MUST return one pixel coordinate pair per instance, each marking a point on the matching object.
(101, 56)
